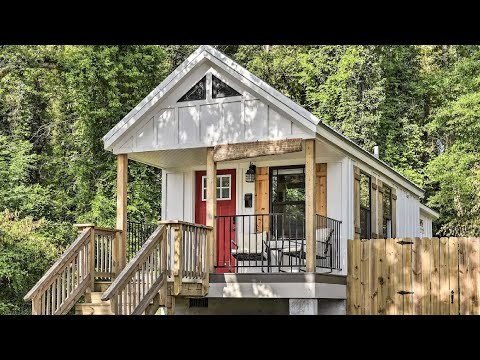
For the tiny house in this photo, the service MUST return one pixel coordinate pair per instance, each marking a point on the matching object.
(280, 191)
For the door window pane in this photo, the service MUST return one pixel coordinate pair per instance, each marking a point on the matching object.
(223, 190)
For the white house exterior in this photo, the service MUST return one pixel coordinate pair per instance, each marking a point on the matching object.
(173, 131)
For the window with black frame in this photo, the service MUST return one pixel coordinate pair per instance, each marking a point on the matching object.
(365, 206)
(287, 195)
(387, 212)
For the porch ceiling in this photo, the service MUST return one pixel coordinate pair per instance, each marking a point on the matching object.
(178, 158)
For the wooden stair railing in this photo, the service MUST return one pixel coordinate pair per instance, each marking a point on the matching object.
(89, 256)
(176, 252)
(142, 279)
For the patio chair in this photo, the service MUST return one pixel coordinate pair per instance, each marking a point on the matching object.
(296, 248)
(251, 247)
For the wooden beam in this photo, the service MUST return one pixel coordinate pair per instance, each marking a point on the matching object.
(254, 149)
(310, 199)
(119, 253)
(211, 208)
(91, 259)
(178, 261)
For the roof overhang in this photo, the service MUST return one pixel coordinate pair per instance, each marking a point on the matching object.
(336, 138)
(430, 212)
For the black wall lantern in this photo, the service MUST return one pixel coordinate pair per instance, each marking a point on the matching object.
(250, 174)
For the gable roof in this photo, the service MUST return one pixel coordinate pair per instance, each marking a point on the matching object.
(303, 116)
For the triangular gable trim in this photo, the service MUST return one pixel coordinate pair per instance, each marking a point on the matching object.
(243, 75)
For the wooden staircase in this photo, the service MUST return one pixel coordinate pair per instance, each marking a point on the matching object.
(172, 262)
(93, 304)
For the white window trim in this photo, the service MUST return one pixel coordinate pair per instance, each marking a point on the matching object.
(221, 187)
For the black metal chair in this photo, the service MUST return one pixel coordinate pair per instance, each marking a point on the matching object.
(296, 248)
(251, 247)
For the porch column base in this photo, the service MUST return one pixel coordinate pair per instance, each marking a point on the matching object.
(303, 306)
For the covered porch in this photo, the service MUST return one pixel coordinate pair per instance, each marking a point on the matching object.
(271, 217)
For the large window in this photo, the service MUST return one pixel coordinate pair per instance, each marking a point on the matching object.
(287, 194)
(387, 212)
(365, 207)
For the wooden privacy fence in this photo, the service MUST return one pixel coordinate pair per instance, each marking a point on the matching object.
(413, 276)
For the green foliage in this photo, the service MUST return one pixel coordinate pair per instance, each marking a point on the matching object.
(27, 250)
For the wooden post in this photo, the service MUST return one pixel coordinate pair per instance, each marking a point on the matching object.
(178, 260)
(310, 199)
(91, 253)
(36, 305)
(91, 259)
(119, 253)
(211, 209)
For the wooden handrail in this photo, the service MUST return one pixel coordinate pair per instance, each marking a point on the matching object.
(143, 277)
(71, 251)
(181, 222)
(87, 258)
(177, 251)
(128, 271)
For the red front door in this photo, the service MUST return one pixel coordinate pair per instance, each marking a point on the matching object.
(226, 200)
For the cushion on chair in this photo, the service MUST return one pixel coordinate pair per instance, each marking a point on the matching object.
(324, 234)
(295, 247)
(251, 243)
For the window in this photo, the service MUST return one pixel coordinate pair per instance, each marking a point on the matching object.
(365, 206)
(221, 90)
(223, 187)
(197, 92)
(387, 212)
(287, 194)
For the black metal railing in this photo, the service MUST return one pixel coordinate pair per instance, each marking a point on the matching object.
(274, 242)
(137, 234)
(327, 235)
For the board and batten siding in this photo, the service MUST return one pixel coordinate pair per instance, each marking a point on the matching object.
(427, 225)
(193, 124)
(408, 215)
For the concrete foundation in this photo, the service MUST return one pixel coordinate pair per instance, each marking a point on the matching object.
(248, 306)
(332, 307)
(303, 306)
(219, 306)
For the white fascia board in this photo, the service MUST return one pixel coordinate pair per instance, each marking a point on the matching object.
(326, 132)
(427, 211)
(152, 98)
